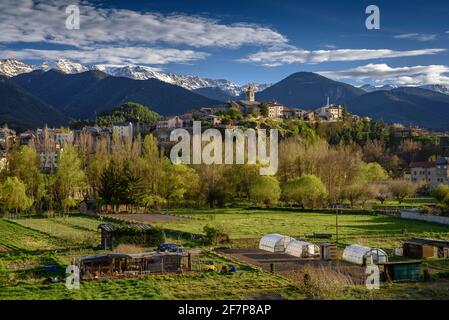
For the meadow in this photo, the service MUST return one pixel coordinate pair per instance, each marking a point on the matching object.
(29, 244)
(373, 230)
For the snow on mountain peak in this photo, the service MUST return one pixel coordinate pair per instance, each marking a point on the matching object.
(63, 65)
(13, 67)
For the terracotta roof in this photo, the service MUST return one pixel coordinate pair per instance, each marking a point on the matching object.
(422, 164)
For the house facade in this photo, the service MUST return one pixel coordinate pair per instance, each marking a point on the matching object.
(429, 173)
(123, 129)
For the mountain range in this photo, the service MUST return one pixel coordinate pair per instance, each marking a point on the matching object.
(54, 93)
(226, 89)
(85, 95)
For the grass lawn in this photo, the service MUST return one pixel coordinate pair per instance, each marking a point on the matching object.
(77, 232)
(190, 286)
(374, 230)
(17, 237)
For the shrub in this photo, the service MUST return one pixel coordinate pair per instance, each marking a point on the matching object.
(215, 235)
(440, 192)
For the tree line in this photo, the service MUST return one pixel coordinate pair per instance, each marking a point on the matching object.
(136, 172)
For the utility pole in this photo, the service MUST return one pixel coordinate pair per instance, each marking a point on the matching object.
(336, 226)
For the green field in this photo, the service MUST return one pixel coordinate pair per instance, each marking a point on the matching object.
(73, 233)
(373, 230)
(28, 244)
(15, 236)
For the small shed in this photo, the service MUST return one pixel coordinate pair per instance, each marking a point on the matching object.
(119, 264)
(363, 255)
(274, 242)
(302, 249)
(89, 207)
(420, 248)
(402, 270)
(328, 251)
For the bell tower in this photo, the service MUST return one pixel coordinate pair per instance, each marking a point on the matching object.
(250, 94)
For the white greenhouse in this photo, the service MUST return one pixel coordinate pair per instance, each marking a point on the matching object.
(363, 255)
(302, 249)
(274, 242)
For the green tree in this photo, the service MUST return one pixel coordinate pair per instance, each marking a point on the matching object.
(373, 171)
(401, 189)
(264, 110)
(70, 177)
(266, 190)
(440, 192)
(235, 114)
(13, 195)
(179, 182)
(24, 164)
(308, 191)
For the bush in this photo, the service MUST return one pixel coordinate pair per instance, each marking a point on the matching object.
(440, 192)
(130, 234)
(215, 235)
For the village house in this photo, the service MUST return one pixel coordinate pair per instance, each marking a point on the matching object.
(247, 106)
(275, 110)
(291, 113)
(170, 123)
(7, 137)
(430, 173)
(330, 112)
(123, 129)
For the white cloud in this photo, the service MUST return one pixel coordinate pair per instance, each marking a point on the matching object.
(416, 36)
(44, 21)
(305, 56)
(382, 73)
(110, 55)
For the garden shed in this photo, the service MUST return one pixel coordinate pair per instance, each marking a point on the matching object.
(119, 264)
(402, 270)
(363, 255)
(274, 242)
(420, 248)
(302, 249)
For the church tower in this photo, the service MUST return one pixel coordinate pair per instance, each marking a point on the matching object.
(250, 94)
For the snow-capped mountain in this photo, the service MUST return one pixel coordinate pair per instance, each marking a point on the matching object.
(12, 67)
(187, 82)
(63, 65)
(441, 88)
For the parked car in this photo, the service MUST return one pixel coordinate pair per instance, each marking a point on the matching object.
(170, 247)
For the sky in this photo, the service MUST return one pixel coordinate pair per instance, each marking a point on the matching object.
(241, 41)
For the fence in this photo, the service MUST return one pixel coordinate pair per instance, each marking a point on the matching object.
(424, 217)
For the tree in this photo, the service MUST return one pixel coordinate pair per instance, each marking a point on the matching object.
(179, 182)
(308, 191)
(13, 195)
(70, 177)
(134, 191)
(235, 114)
(264, 110)
(266, 190)
(354, 193)
(373, 172)
(119, 185)
(401, 189)
(24, 164)
(440, 192)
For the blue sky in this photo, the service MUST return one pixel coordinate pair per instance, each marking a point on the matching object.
(242, 41)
